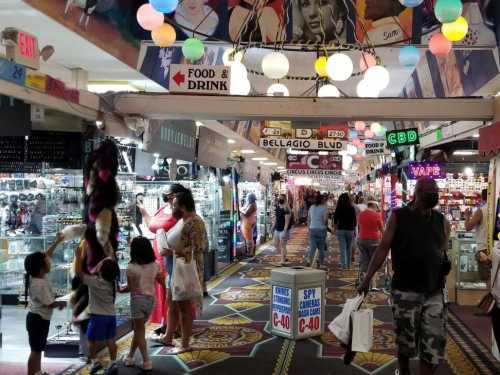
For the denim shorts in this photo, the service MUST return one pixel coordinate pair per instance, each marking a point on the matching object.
(38, 330)
(141, 306)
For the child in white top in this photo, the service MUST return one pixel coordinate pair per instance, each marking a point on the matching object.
(41, 303)
(142, 274)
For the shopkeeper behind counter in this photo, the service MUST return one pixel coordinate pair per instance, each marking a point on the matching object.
(478, 222)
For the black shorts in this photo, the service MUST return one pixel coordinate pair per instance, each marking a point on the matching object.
(38, 330)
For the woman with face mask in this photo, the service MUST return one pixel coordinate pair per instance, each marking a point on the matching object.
(188, 239)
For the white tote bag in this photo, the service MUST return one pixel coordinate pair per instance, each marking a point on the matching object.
(362, 330)
(185, 282)
(340, 326)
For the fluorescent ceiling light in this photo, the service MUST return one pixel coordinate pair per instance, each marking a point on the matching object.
(229, 140)
(281, 167)
(247, 151)
(270, 163)
(322, 152)
(103, 87)
(468, 171)
(475, 135)
(259, 159)
(465, 152)
(297, 152)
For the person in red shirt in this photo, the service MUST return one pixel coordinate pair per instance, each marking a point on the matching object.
(370, 231)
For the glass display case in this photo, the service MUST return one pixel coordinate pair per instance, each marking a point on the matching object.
(245, 188)
(464, 283)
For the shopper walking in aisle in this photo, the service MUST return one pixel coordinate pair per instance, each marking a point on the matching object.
(142, 274)
(248, 221)
(370, 228)
(281, 225)
(41, 297)
(495, 291)
(317, 222)
(478, 223)
(188, 240)
(162, 220)
(345, 225)
(417, 236)
(102, 324)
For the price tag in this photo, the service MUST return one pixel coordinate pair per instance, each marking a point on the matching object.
(281, 309)
(309, 312)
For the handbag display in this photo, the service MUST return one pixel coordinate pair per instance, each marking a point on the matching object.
(488, 302)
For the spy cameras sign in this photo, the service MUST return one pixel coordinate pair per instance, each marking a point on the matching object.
(199, 79)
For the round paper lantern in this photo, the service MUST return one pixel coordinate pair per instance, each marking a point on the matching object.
(375, 127)
(368, 134)
(193, 49)
(164, 6)
(275, 65)
(356, 142)
(378, 76)
(320, 66)
(278, 89)
(409, 56)
(238, 71)
(328, 91)
(339, 67)
(366, 61)
(359, 126)
(164, 36)
(411, 3)
(448, 10)
(366, 89)
(148, 18)
(381, 131)
(439, 45)
(455, 31)
(230, 56)
(353, 134)
(239, 86)
(351, 149)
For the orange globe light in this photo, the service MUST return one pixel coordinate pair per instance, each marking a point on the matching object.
(366, 61)
(320, 66)
(359, 126)
(439, 45)
(164, 36)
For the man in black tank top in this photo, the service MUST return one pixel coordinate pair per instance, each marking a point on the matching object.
(417, 236)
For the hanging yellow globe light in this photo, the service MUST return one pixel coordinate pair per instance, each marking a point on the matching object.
(455, 31)
(320, 66)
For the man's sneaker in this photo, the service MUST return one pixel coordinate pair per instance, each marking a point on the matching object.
(95, 367)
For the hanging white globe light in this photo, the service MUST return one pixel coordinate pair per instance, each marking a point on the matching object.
(339, 67)
(275, 65)
(367, 89)
(230, 56)
(328, 91)
(351, 149)
(375, 127)
(278, 89)
(238, 71)
(346, 162)
(378, 76)
(239, 86)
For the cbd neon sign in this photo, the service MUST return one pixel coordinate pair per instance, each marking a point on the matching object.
(403, 137)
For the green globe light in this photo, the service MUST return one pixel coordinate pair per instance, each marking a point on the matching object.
(193, 49)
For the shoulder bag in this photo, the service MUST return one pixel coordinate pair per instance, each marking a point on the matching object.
(487, 303)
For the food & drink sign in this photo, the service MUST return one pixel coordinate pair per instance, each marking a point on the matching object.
(199, 79)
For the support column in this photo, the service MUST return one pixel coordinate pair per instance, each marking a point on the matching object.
(496, 109)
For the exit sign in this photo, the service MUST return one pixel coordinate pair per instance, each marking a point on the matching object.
(404, 137)
(22, 47)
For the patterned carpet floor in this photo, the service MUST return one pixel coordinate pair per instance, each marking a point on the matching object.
(232, 336)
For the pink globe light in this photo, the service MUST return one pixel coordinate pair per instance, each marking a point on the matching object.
(356, 142)
(359, 126)
(439, 45)
(366, 61)
(369, 134)
(358, 157)
(148, 18)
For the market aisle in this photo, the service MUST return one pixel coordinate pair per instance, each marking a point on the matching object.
(232, 336)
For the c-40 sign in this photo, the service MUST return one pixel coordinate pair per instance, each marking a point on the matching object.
(403, 137)
(199, 79)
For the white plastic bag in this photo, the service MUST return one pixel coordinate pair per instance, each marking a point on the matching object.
(362, 330)
(185, 282)
(340, 325)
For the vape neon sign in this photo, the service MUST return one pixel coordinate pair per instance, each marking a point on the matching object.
(403, 137)
(429, 169)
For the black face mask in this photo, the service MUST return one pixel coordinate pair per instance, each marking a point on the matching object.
(281, 201)
(430, 200)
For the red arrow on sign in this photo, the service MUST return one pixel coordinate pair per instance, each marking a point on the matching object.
(179, 78)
